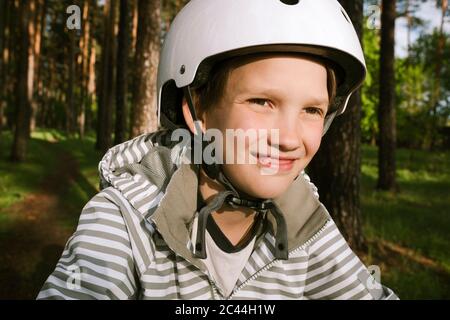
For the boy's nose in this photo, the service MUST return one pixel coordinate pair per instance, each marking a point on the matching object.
(289, 133)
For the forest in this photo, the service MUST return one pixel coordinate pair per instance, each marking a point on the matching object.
(78, 77)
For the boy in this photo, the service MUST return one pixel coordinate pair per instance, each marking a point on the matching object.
(182, 221)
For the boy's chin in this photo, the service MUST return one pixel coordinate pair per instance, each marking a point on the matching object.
(266, 187)
(271, 192)
(250, 180)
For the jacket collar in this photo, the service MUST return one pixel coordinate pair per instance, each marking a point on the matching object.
(303, 212)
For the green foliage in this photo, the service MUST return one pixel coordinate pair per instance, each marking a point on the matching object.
(421, 116)
(424, 106)
(370, 89)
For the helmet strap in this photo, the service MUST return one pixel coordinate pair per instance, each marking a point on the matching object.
(328, 120)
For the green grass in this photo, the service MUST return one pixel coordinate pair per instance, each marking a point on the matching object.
(18, 180)
(86, 185)
(416, 218)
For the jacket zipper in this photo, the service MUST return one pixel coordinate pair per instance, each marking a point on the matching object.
(269, 265)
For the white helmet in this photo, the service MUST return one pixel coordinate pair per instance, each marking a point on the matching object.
(207, 31)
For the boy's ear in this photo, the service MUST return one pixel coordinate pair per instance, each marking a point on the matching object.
(188, 117)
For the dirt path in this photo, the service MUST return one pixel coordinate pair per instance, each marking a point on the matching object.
(33, 244)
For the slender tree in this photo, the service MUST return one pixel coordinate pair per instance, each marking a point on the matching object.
(386, 108)
(24, 89)
(121, 80)
(39, 25)
(106, 93)
(3, 15)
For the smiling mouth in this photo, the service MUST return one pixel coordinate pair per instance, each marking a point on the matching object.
(282, 163)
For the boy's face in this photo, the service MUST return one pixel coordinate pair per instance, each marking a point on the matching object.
(284, 95)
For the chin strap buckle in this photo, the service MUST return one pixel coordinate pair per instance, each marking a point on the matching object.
(252, 204)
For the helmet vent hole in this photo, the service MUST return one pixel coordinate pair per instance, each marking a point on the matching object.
(345, 16)
(290, 2)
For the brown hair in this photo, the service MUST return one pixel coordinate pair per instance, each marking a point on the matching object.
(209, 93)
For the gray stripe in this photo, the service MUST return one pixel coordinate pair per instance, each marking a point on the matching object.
(359, 295)
(102, 249)
(99, 197)
(131, 187)
(293, 272)
(328, 258)
(198, 293)
(300, 259)
(101, 263)
(106, 236)
(64, 292)
(275, 292)
(136, 193)
(96, 222)
(195, 280)
(85, 285)
(335, 281)
(140, 145)
(119, 283)
(95, 209)
(347, 288)
(282, 282)
(331, 270)
(171, 296)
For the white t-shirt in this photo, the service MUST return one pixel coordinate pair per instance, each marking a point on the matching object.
(225, 267)
(224, 261)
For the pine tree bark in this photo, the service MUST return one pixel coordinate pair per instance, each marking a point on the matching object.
(143, 116)
(335, 169)
(3, 13)
(122, 70)
(106, 95)
(386, 108)
(24, 88)
(39, 22)
(70, 103)
(134, 25)
(84, 69)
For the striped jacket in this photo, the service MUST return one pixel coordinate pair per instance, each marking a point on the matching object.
(133, 240)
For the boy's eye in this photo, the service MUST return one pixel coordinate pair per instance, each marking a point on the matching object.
(259, 101)
(314, 111)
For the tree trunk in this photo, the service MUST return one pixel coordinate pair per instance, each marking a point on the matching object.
(122, 61)
(106, 97)
(387, 109)
(70, 104)
(39, 23)
(90, 72)
(143, 117)
(24, 89)
(83, 63)
(11, 56)
(336, 168)
(91, 83)
(3, 13)
(134, 25)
